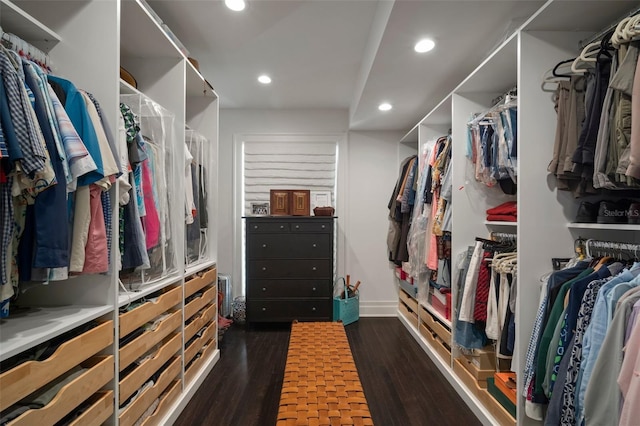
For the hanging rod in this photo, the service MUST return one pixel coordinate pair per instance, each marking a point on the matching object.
(504, 236)
(602, 33)
(612, 246)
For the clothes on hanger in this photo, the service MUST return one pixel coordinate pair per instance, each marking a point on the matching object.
(486, 298)
(595, 146)
(576, 351)
(492, 146)
(56, 169)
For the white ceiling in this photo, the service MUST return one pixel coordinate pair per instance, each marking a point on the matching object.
(342, 54)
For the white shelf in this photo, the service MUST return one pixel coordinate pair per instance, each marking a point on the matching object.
(197, 267)
(145, 289)
(127, 89)
(14, 20)
(436, 314)
(605, 226)
(197, 85)
(498, 223)
(142, 37)
(27, 329)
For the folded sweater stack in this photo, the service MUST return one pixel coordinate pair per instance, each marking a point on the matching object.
(505, 212)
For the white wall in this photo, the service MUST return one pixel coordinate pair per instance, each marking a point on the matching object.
(372, 173)
(371, 163)
(258, 121)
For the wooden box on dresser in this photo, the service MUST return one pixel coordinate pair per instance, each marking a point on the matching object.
(289, 268)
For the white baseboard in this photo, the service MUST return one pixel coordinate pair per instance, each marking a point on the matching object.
(379, 309)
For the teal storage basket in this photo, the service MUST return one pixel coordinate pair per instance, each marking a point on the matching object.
(346, 310)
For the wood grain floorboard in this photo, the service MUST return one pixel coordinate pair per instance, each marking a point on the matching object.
(403, 387)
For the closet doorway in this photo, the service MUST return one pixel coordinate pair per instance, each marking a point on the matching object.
(282, 161)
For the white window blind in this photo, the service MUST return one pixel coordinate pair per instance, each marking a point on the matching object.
(287, 165)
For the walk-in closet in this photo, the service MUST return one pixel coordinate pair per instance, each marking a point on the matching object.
(308, 212)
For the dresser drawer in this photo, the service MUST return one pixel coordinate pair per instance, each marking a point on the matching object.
(28, 377)
(313, 225)
(99, 371)
(256, 227)
(148, 311)
(136, 348)
(100, 410)
(269, 246)
(301, 268)
(290, 246)
(137, 408)
(146, 369)
(265, 289)
(289, 310)
(195, 283)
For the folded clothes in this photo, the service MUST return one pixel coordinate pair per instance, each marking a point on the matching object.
(502, 218)
(508, 208)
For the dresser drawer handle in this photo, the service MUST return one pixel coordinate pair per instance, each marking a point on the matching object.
(297, 226)
(313, 309)
(264, 268)
(255, 226)
(313, 289)
(281, 226)
(315, 245)
(314, 269)
(264, 309)
(264, 289)
(323, 226)
(264, 246)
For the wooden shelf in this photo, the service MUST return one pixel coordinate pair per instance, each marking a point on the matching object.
(146, 289)
(194, 268)
(146, 312)
(68, 355)
(27, 329)
(427, 307)
(193, 284)
(99, 372)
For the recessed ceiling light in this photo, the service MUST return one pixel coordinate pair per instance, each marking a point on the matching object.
(264, 79)
(385, 106)
(236, 5)
(424, 45)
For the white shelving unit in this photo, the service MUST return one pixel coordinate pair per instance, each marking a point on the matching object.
(605, 226)
(492, 223)
(543, 228)
(87, 43)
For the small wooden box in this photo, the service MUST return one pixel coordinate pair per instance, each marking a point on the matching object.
(301, 202)
(290, 202)
(280, 202)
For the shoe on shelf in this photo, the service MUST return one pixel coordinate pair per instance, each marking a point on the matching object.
(587, 212)
(613, 211)
(634, 213)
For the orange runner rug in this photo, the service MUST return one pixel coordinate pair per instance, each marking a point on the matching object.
(321, 384)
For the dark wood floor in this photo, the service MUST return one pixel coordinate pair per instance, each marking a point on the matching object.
(401, 384)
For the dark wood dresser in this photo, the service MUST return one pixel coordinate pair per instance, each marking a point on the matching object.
(289, 268)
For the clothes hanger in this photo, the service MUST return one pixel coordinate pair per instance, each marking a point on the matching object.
(586, 57)
(629, 29)
(555, 72)
(617, 36)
